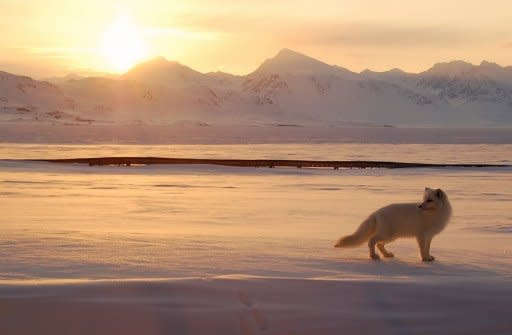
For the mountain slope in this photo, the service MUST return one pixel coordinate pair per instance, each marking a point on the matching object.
(288, 88)
(24, 99)
(289, 61)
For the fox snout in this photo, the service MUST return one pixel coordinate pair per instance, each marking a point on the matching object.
(426, 205)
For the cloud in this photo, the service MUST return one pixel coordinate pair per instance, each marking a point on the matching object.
(297, 30)
(47, 52)
(29, 68)
(223, 23)
(59, 51)
(181, 33)
(383, 35)
(40, 62)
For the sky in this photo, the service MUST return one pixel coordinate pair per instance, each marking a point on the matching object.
(44, 38)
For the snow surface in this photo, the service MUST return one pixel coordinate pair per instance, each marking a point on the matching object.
(218, 250)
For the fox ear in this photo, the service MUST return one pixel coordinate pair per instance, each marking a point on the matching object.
(439, 193)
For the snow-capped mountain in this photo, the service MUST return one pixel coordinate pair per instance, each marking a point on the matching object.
(288, 88)
(289, 61)
(25, 99)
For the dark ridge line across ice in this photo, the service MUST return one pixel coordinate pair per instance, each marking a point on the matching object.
(271, 163)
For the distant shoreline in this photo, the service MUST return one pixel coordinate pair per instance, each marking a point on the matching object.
(245, 134)
(269, 163)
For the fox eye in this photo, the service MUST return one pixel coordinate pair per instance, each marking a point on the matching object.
(429, 200)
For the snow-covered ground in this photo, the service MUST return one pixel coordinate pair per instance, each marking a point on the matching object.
(217, 250)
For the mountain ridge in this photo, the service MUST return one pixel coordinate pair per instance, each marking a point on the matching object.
(288, 88)
(287, 54)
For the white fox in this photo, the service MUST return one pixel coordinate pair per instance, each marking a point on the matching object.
(422, 221)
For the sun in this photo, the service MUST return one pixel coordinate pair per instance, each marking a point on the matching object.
(122, 45)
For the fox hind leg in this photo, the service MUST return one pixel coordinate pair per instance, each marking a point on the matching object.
(371, 245)
(383, 251)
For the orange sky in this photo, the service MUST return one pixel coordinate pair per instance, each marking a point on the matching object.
(56, 37)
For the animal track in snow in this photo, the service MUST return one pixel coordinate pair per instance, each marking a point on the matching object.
(252, 320)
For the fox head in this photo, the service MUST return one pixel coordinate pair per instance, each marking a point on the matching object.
(433, 199)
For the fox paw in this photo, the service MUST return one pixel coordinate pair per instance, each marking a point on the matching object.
(428, 259)
(389, 255)
(375, 257)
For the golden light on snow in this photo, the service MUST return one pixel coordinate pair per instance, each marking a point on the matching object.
(122, 45)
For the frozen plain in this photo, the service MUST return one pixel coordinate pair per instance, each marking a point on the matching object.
(210, 250)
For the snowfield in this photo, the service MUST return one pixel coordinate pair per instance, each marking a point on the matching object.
(218, 250)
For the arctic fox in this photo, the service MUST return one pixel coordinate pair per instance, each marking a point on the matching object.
(422, 221)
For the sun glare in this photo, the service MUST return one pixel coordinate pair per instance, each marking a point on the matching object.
(122, 45)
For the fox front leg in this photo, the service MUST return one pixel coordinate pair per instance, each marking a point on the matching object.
(428, 241)
(424, 246)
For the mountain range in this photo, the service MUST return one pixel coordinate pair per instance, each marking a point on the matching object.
(290, 88)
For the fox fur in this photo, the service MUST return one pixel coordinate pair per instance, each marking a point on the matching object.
(421, 221)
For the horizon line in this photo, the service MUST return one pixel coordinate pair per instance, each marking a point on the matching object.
(99, 74)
